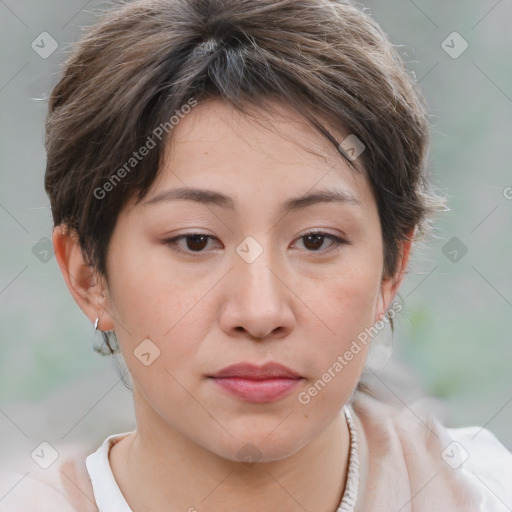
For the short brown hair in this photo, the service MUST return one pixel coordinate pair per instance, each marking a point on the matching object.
(145, 59)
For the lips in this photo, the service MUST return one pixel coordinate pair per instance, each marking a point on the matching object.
(259, 384)
(254, 372)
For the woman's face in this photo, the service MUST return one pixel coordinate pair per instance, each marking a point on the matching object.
(253, 288)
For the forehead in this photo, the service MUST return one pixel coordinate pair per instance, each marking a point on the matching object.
(276, 141)
(272, 130)
(273, 155)
(262, 174)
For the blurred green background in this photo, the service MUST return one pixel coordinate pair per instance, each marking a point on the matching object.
(453, 339)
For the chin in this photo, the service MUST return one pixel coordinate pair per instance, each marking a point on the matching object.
(259, 446)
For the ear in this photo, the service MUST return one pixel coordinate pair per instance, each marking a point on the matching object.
(391, 284)
(85, 285)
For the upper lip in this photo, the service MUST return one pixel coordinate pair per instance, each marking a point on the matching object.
(251, 371)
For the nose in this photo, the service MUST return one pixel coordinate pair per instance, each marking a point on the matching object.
(257, 300)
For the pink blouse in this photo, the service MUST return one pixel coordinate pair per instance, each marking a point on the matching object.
(409, 462)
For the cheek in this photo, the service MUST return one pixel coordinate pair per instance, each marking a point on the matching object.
(150, 296)
(153, 301)
(347, 301)
(159, 322)
(345, 307)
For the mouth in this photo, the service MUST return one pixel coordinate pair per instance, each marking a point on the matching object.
(258, 384)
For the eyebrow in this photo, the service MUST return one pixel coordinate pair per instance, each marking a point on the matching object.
(213, 198)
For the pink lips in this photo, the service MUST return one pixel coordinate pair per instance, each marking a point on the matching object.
(257, 384)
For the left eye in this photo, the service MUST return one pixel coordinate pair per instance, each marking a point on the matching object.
(196, 242)
(316, 239)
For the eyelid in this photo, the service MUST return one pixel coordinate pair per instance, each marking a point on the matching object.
(337, 242)
(341, 237)
(173, 243)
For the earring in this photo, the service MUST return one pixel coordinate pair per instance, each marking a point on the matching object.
(96, 323)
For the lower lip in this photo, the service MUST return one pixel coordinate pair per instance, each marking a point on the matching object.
(267, 390)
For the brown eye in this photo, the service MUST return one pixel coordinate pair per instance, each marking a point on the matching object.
(198, 242)
(315, 240)
(195, 242)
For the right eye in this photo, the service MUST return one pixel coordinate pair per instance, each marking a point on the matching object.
(195, 242)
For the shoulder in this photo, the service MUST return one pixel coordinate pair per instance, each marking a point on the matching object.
(420, 464)
(29, 493)
(64, 486)
(483, 459)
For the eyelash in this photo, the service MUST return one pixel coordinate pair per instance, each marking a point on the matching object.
(337, 242)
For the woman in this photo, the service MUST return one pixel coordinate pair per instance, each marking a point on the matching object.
(236, 187)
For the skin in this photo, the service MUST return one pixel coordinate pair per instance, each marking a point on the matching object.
(299, 303)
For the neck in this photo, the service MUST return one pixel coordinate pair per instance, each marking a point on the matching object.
(159, 468)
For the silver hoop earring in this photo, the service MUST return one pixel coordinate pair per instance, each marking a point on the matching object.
(96, 323)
